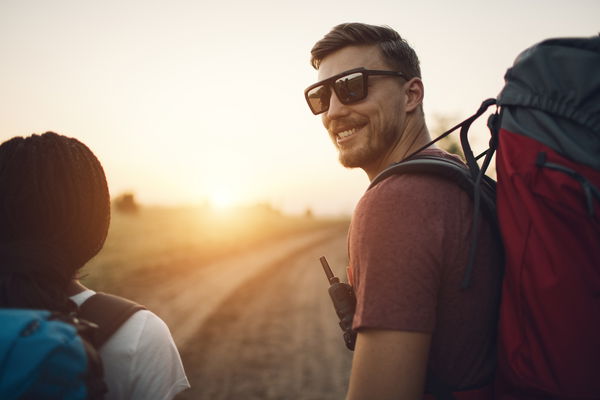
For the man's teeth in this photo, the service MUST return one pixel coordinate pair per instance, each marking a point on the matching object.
(347, 133)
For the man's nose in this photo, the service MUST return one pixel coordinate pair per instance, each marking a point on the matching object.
(336, 107)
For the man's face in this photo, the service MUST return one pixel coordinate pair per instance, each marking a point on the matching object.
(364, 132)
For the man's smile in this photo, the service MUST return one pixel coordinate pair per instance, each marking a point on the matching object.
(346, 133)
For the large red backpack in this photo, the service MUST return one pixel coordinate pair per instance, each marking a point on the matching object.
(548, 205)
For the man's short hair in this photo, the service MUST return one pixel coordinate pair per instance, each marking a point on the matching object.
(395, 50)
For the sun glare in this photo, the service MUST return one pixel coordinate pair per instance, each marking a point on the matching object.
(222, 199)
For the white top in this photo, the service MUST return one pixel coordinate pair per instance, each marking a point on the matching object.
(140, 359)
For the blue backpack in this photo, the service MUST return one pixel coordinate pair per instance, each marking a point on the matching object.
(53, 355)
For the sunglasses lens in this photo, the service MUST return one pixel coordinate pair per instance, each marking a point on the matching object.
(350, 88)
(318, 98)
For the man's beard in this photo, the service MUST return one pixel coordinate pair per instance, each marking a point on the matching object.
(368, 153)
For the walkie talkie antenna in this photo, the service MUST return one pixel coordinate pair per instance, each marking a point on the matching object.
(330, 277)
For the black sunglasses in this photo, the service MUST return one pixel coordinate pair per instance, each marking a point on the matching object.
(349, 87)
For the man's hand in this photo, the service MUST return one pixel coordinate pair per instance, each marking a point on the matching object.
(389, 365)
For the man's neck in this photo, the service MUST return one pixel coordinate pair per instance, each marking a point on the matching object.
(415, 136)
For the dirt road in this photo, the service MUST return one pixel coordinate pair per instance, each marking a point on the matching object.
(275, 335)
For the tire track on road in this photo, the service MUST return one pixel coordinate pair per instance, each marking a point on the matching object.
(276, 336)
(185, 301)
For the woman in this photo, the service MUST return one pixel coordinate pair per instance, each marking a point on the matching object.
(54, 217)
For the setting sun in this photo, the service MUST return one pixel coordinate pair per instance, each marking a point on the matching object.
(222, 198)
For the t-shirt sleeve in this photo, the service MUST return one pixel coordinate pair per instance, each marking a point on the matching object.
(156, 365)
(398, 243)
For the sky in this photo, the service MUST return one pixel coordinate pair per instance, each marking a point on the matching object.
(188, 102)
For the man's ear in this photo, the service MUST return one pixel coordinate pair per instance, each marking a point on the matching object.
(415, 91)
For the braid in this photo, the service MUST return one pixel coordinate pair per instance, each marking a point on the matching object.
(54, 217)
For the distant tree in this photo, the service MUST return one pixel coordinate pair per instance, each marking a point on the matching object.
(126, 203)
(308, 214)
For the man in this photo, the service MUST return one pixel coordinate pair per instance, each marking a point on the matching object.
(410, 234)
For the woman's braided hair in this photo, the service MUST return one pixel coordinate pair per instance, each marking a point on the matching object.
(54, 217)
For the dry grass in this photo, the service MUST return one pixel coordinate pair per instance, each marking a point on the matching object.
(145, 248)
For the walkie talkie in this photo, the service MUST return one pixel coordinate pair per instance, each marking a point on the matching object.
(344, 302)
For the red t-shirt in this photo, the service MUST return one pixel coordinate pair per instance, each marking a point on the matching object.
(408, 248)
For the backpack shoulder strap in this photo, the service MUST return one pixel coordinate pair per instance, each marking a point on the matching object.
(449, 169)
(428, 165)
(481, 189)
(109, 312)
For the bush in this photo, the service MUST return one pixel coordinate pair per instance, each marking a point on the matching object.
(126, 203)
